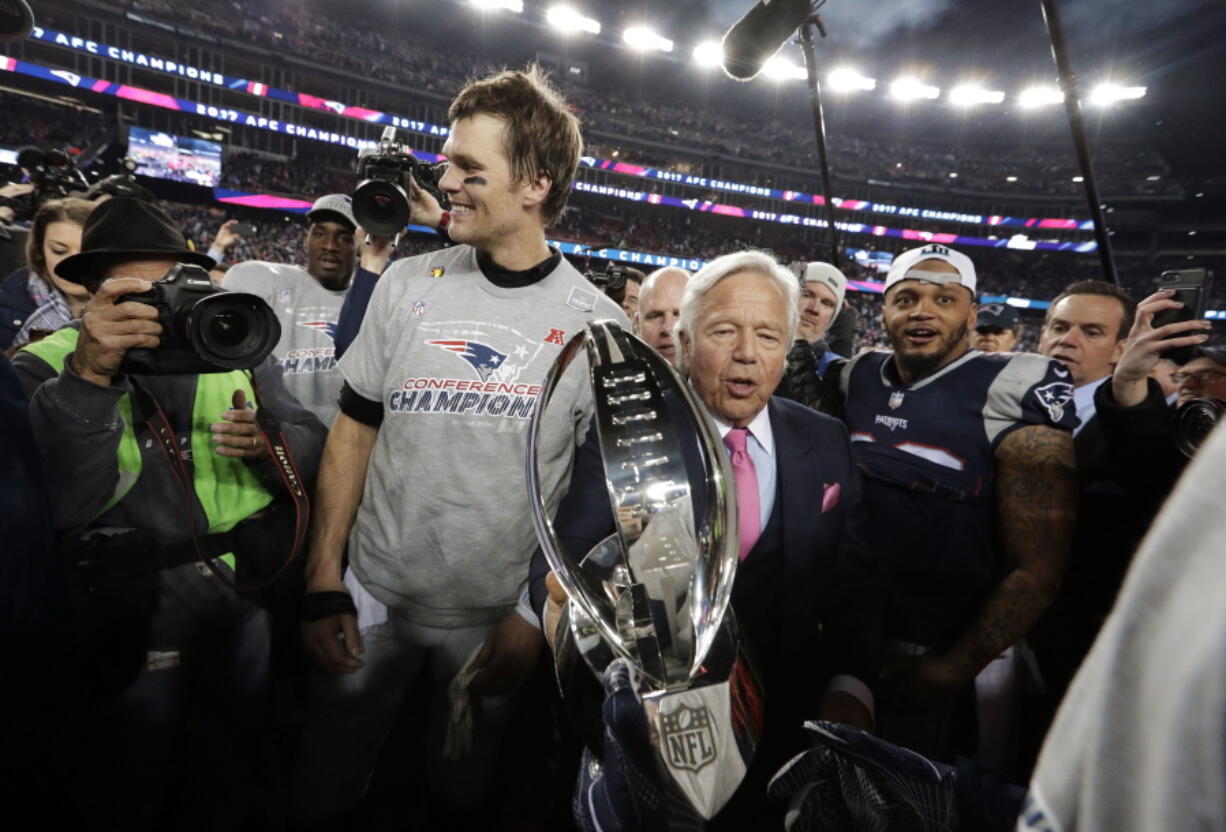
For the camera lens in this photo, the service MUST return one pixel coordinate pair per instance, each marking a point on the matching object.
(1195, 420)
(381, 208)
(228, 329)
(233, 329)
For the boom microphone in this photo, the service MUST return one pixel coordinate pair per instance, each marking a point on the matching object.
(16, 19)
(758, 35)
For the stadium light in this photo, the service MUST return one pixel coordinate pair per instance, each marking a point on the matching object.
(781, 69)
(709, 54)
(644, 39)
(846, 80)
(908, 88)
(1109, 93)
(1039, 97)
(966, 95)
(516, 6)
(568, 20)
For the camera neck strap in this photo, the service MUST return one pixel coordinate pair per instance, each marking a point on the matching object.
(272, 436)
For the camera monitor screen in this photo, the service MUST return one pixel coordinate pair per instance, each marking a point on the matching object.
(177, 158)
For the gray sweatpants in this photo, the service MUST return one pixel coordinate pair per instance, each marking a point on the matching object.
(350, 714)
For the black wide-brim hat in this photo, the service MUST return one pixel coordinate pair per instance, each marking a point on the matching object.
(127, 226)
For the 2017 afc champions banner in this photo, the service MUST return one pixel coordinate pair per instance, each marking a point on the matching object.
(256, 88)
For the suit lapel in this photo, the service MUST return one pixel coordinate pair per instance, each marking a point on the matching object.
(800, 504)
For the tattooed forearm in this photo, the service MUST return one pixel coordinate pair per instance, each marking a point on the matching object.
(1036, 507)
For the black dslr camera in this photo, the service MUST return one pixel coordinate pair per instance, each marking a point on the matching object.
(204, 329)
(611, 281)
(120, 184)
(1195, 419)
(54, 175)
(381, 200)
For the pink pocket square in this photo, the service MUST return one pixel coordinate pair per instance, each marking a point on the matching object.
(830, 496)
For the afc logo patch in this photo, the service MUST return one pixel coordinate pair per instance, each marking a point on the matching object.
(1054, 397)
(556, 336)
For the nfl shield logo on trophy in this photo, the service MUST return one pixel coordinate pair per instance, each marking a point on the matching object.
(896, 399)
(689, 742)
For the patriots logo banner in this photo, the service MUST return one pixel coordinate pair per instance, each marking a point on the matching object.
(484, 359)
(325, 327)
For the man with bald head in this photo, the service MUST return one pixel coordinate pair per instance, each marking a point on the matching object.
(658, 309)
(970, 489)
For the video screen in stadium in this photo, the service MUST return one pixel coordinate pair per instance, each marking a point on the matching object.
(876, 261)
(177, 158)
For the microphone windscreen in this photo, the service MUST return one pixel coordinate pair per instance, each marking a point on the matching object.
(758, 35)
(30, 157)
(16, 19)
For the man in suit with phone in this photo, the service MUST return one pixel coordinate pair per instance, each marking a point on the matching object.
(1139, 422)
(1086, 329)
(798, 495)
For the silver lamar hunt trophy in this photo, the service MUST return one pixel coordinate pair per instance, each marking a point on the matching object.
(656, 591)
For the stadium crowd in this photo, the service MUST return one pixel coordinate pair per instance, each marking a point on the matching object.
(610, 110)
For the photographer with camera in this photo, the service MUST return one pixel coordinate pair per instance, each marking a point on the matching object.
(422, 481)
(166, 485)
(622, 285)
(12, 236)
(308, 302)
(34, 300)
(822, 291)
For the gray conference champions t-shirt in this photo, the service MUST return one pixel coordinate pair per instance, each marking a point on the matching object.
(308, 313)
(444, 531)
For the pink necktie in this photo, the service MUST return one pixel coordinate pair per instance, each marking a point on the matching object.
(746, 489)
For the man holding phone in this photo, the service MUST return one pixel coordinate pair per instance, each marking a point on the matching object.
(1125, 455)
(308, 302)
(1139, 425)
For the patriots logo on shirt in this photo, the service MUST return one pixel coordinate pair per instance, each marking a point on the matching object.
(326, 327)
(484, 359)
(1054, 397)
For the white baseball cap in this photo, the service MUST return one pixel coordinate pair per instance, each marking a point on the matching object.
(903, 267)
(332, 207)
(825, 274)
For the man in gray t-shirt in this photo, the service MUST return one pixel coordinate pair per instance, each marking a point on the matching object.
(423, 480)
(308, 301)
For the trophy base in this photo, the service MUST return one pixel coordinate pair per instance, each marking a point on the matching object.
(704, 735)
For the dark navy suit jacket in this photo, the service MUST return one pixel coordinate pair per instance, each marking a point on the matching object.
(825, 596)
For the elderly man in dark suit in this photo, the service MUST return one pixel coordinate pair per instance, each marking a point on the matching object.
(798, 492)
